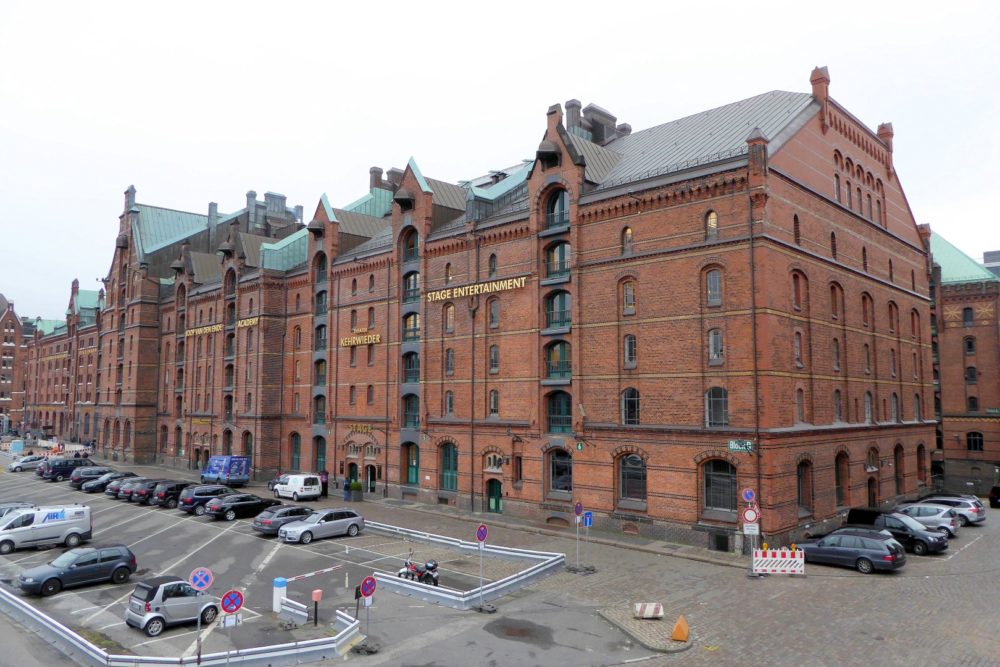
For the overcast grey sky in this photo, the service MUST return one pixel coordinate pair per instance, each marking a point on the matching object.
(201, 101)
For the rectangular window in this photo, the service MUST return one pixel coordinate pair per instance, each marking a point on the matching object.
(518, 469)
(371, 355)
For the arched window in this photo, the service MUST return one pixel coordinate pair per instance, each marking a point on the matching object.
(449, 318)
(449, 403)
(836, 186)
(628, 297)
(713, 287)
(320, 303)
(494, 407)
(296, 340)
(804, 486)
(842, 479)
(296, 451)
(915, 324)
(796, 231)
(893, 317)
(492, 266)
(894, 407)
(494, 358)
(968, 317)
(319, 373)
(448, 467)
(800, 406)
(557, 310)
(557, 360)
(411, 462)
(632, 478)
(319, 271)
(716, 347)
(230, 283)
(716, 407)
(411, 411)
(354, 286)
(557, 260)
(878, 212)
(370, 395)
(411, 327)
(798, 290)
(559, 412)
(449, 361)
(411, 287)
(371, 282)
(838, 410)
(447, 274)
(630, 407)
(493, 309)
(711, 226)
(974, 441)
(319, 341)
(866, 310)
(869, 415)
(557, 210)
(411, 367)
(560, 471)
(411, 246)
(833, 245)
(626, 241)
(891, 274)
(319, 453)
(720, 485)
(868, 211)
(797, 349)
(971, 376)
(319, 409)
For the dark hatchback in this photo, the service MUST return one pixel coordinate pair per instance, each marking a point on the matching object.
(101, 483)
(238, 505)
(85, 474)
(995, 496)
(270, 520)
(115, 486)
(167, 492)
(863, 549)
(76, 567)
(142, 492)
(194, 498)
(60, 469)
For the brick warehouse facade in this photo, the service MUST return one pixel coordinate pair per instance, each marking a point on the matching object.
(604, 323)
(13, 350)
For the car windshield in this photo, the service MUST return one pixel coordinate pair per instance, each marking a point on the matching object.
(106, 477)
(313, 518)
(910, 523)
(65, 560)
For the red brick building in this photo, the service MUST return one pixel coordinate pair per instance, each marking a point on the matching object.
(641, 322)
(13, 351)
(966, 369)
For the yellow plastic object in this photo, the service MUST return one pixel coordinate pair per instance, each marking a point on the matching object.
(681, 630)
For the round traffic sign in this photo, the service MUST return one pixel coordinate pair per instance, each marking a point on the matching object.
(481, 532)
(750, 515)
(748, 495)
(201, 578)
(578, 508)
(232, 601)
(368, 586)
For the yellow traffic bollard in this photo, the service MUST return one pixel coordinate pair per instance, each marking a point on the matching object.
(763, 547)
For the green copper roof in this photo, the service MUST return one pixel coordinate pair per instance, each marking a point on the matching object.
(513, 180)
(160, 227)
(86, 299)
(956, 266)
(327, 208)
(377, 203)
(412, 164)
(47, 326)
(287, 253)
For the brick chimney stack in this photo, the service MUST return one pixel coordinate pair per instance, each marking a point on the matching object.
(820, 80)
(573, 108)
(886, 134)
(374, 178)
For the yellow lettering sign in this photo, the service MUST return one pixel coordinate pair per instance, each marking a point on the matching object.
(247, 322)
(477, 288)
(211, 328)
(367, 339)
(360, 428)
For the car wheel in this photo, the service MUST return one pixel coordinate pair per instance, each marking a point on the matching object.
(199, 510)
(51, 587)
(172, 504)
(964, 520)
(295, 497)
(6, 548)
(72, 541)
(17, 469)
(154, 627)
(276, 494)
(230, 515)
(120, 575)
(59, 478)
(353, 530)
(306, 537)
(209, 615)
(864, 566)
(920, 548)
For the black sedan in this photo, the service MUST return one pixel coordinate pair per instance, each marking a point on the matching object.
(272, 519)
(234, 505)
(101, 483)
(863, 549)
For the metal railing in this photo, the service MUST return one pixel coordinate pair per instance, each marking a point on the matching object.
(556, 269)
(558, 317)
(411, 294)
(411, 334)
(558, 369)
(560, 423)
(553, 220)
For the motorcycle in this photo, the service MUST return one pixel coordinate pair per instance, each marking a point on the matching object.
(424, 574)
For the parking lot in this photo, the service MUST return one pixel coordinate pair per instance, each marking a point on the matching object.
(173, 542)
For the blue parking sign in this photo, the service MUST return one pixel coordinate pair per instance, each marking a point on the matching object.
(588, 519)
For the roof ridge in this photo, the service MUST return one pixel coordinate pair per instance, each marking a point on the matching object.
(175, 210)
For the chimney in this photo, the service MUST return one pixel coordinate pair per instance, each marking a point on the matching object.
(602, 124)
(75, 287)
(886, 134)
(820, 81)
(251, 209)
(573, 113)
(213, 221)
(624, 129)
(274, 203)
(130, 198)
(374, 178)
(395, 176)
(299, 212)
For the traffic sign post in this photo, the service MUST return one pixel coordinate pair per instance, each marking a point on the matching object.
(232, 601)
(588, 521)
(201, 578)
(481, 534)
(748, 495)
(367, 588)
(578, 510)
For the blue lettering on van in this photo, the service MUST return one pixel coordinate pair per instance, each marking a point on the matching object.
(58, 515)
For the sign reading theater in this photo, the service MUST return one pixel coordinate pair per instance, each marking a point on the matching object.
(477, 288)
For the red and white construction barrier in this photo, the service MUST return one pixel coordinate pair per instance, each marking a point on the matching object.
(648, 610)
(313, 574)
(779, 561)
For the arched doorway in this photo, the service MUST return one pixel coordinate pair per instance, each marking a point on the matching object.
(352, 472)
(370, 478)
(494, 496)
(872, 492)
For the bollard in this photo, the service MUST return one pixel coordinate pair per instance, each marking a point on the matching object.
(316, 596)
(280, 589)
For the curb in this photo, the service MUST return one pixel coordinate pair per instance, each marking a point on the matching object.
(659, 649)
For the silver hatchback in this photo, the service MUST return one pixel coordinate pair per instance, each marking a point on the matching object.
(935, 517)
(29, 462)
(162, 601)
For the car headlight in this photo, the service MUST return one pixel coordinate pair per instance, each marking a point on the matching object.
(28, 580)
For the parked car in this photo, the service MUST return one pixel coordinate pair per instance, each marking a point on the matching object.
(995, 496)
(85, 474)
(129, 488)
(8, 507)
(142, 492)
(969, 508)
(908, 532)
(162, 601)
(231, 470)
(76, 567)
(280, 479)
(45, 526)
(60, 469)
(101, 483)
(193, 498)
(322, 523)
(299, 487)
(238, 505)
(864, 549)
(167, 493)
(272, 519)
(935, 517)
(26, 463)
(115, 488)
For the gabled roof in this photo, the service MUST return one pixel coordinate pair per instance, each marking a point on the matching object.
(377, 203)
(251, 243)
(600, 160)
(421, 181)
(286, 254)
(705, 137)
(448, 195)
(206, 266)
(3, 304)
(956, 266)
(359, 224)
(86, 299)
(158, 228)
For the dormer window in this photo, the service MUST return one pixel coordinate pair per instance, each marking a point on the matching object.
(557, 210)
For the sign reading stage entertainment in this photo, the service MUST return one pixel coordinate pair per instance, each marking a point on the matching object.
(477, 288)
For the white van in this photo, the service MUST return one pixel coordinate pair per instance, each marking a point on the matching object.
(299, 487)
(38, 526)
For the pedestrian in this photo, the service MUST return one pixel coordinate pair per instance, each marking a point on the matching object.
(86, 455)
(324, 480)
(76, 454)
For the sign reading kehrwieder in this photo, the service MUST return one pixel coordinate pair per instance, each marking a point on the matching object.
(487, 287)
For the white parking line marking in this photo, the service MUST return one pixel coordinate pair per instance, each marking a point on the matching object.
(143, 539)
(963, 548)
(80, 611)
(168, 636)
